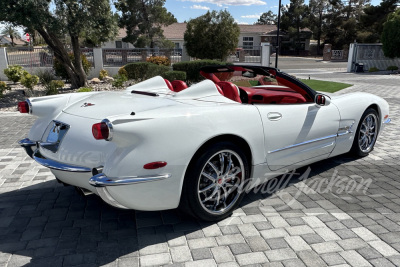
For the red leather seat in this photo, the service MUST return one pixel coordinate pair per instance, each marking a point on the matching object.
(178, 85)
(169, 85)
(230, 91)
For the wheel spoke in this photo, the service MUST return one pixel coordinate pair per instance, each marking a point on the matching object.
(229, 164)
(210, 197)
(218, 198)
(234, 172)
(208, 176)
(222, 162)
(213, 166)
(207, 188)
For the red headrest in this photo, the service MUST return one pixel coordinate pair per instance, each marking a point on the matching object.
(219, 89)
(230, 91)
(169, 85)
(178, 85)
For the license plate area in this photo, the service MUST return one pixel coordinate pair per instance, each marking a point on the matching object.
(54, 135)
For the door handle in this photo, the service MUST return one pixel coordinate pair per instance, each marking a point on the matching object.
(274, 116)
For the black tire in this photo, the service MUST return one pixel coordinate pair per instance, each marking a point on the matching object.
(359, 148)
(201, 175)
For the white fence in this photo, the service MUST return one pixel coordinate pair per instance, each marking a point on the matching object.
(36, 59)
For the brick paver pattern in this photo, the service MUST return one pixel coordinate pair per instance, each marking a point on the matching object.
(303, 223)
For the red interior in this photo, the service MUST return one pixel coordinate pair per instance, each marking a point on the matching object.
(230, 91)
(169, 85)
(284, 92)
(178, 85)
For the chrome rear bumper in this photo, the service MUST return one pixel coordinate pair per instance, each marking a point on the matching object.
(28, 144)
(101, 180)
(52, 164)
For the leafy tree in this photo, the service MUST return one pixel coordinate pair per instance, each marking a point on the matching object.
(11, 32)
(372, 20)
(212, 35)
(267, 18)
(294, 19)
(143, 20)
(391, 35)
(55, 20)
(317, 10)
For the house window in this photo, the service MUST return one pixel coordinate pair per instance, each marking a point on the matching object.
(118, 44)
(248, 42)
(177, 46)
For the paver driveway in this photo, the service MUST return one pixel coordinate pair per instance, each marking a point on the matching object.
(346, 212)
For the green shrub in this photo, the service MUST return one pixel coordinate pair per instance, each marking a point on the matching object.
(119, 80)
(45, 76)
(192, 68)
(122, 71)
(61, 72)
(373, 69)
(144, 70)
(53, 87)
(14, 73)
(392, 68)
(175, 75)
(103, 73)
(161, 60)
(29, 80)
(84, 89)
(3, 88)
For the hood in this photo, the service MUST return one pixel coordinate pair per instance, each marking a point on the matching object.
(106, 104)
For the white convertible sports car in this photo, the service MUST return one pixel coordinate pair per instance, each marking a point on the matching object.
(159, 144)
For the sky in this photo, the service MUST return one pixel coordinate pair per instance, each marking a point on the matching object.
(244, 11)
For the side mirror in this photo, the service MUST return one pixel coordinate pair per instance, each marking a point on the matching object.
(322, 100)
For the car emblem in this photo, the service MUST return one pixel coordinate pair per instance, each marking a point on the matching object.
(87, 105)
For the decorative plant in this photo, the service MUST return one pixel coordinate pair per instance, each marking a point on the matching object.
(3, 88)
(14, 73)
(53, 87)
(28, 80)
(159, 60)
(103, 73)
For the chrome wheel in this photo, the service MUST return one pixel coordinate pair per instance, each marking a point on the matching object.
(368, 133)
(221, 181)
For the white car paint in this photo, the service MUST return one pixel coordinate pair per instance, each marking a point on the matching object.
(171, 127)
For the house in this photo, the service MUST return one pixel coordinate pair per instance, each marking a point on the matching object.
(250, 37)
(5, 40)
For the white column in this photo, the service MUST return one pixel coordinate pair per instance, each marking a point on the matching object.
(350, 57)
(265, 54)
(3, 63)
(185, 55)
(98, 63)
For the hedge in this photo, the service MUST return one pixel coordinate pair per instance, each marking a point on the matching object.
(175, 75)
(192, 68)
(144, 70)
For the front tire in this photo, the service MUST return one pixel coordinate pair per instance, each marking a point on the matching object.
(367, 133)
(215, 181)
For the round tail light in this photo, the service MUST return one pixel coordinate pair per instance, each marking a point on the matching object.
(23, 107)
(102, 130)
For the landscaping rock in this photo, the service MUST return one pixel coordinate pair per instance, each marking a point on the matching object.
(108, 79)
(95, 81)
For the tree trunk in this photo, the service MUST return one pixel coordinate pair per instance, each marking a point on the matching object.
(80, 73)
(319, 32)
(62, 55)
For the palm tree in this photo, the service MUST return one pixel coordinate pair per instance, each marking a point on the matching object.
(11, 32)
